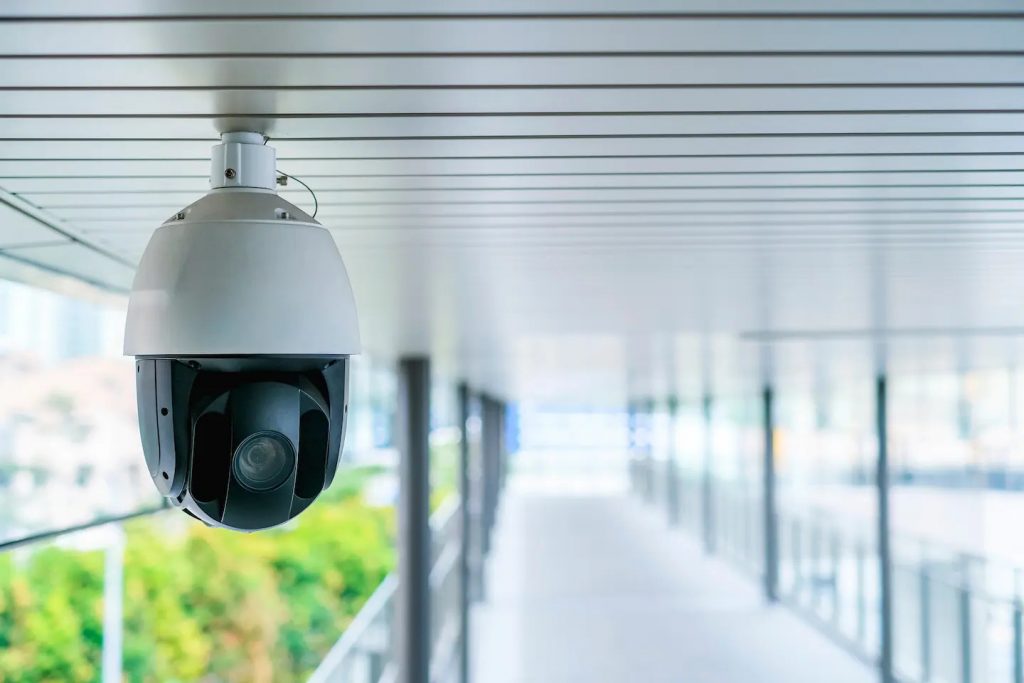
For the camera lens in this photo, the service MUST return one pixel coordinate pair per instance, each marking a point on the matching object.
(263, 461)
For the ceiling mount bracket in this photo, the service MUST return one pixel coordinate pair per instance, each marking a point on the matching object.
(243, 159)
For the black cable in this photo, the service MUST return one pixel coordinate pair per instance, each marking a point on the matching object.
(316, 204)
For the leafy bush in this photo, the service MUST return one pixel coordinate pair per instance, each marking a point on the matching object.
(199, 603)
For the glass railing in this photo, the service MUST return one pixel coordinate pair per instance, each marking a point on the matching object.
(367, 651)
(957, 617)
(156, 596)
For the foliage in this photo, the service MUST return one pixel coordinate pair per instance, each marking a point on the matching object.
(200, 604)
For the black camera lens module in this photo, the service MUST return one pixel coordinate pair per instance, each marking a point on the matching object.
(263, 461)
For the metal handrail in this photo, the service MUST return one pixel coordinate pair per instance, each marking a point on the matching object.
(101, 521)
(349, 641)
(444, 562)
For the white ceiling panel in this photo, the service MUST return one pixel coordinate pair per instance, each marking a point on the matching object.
(945, 194)
(238, 33)
(342, 170)
(648, 125)
(504, 146)
(159, 213)
(36, 188)
(323, 99)
(574, 199)
(25, 9)
(417, 71)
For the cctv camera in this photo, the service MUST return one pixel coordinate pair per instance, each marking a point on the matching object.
(242, 320)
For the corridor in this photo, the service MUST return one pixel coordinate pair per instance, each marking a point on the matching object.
(597, 589)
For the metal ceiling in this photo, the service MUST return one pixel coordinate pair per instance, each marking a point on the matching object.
(575, 199)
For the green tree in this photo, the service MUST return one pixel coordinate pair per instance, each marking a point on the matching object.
(200, 604)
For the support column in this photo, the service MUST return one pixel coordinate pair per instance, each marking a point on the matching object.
(648, 450)
(477, 496)
(672, 465)
(707, 490)
(414, 521)
(489, 463)
(885, 658)
(634, 462)
(771, 519)
(465, 525)
(499, 416)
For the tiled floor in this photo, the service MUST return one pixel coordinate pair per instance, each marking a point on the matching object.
(596, 589)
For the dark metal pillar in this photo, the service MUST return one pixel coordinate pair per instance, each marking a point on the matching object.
(413, 521)
(477, 496)
(465, 525)
(771, 519)
(499, 410)
(707, 492)
(648, 450)
(672, 465)
(885, 658)
(490, 466)
(634, 462)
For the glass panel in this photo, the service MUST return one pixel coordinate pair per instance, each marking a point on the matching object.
(69, 442)
(737, 472)
(955, 443)
(825, 458)
(690, 447)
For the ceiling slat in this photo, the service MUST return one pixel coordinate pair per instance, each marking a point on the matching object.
(285, 35)
(342, 170)
(385, 73)
(79, 100)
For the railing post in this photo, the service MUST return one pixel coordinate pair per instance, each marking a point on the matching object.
(837, 554)
(414, 551)
(815, 565)
(634, 462)
(707, 487)
(926, 624)
(671, 466)
(771, 524)
(648, 450)
(862, 620)
(798, 579)
(113, 601)
(489, 466)
(885, 658)
(375, 665)
(1018, 641)
(966, 659)
(465, 522)
(925, 599)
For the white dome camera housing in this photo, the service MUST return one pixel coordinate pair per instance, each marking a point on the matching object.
(242, 320)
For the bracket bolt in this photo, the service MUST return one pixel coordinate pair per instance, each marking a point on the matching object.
(230, 173)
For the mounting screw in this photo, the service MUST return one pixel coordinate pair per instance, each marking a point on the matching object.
(282, 214)
(180, 215)
(230, 173)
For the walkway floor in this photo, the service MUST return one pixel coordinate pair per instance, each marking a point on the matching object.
(598, 590)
